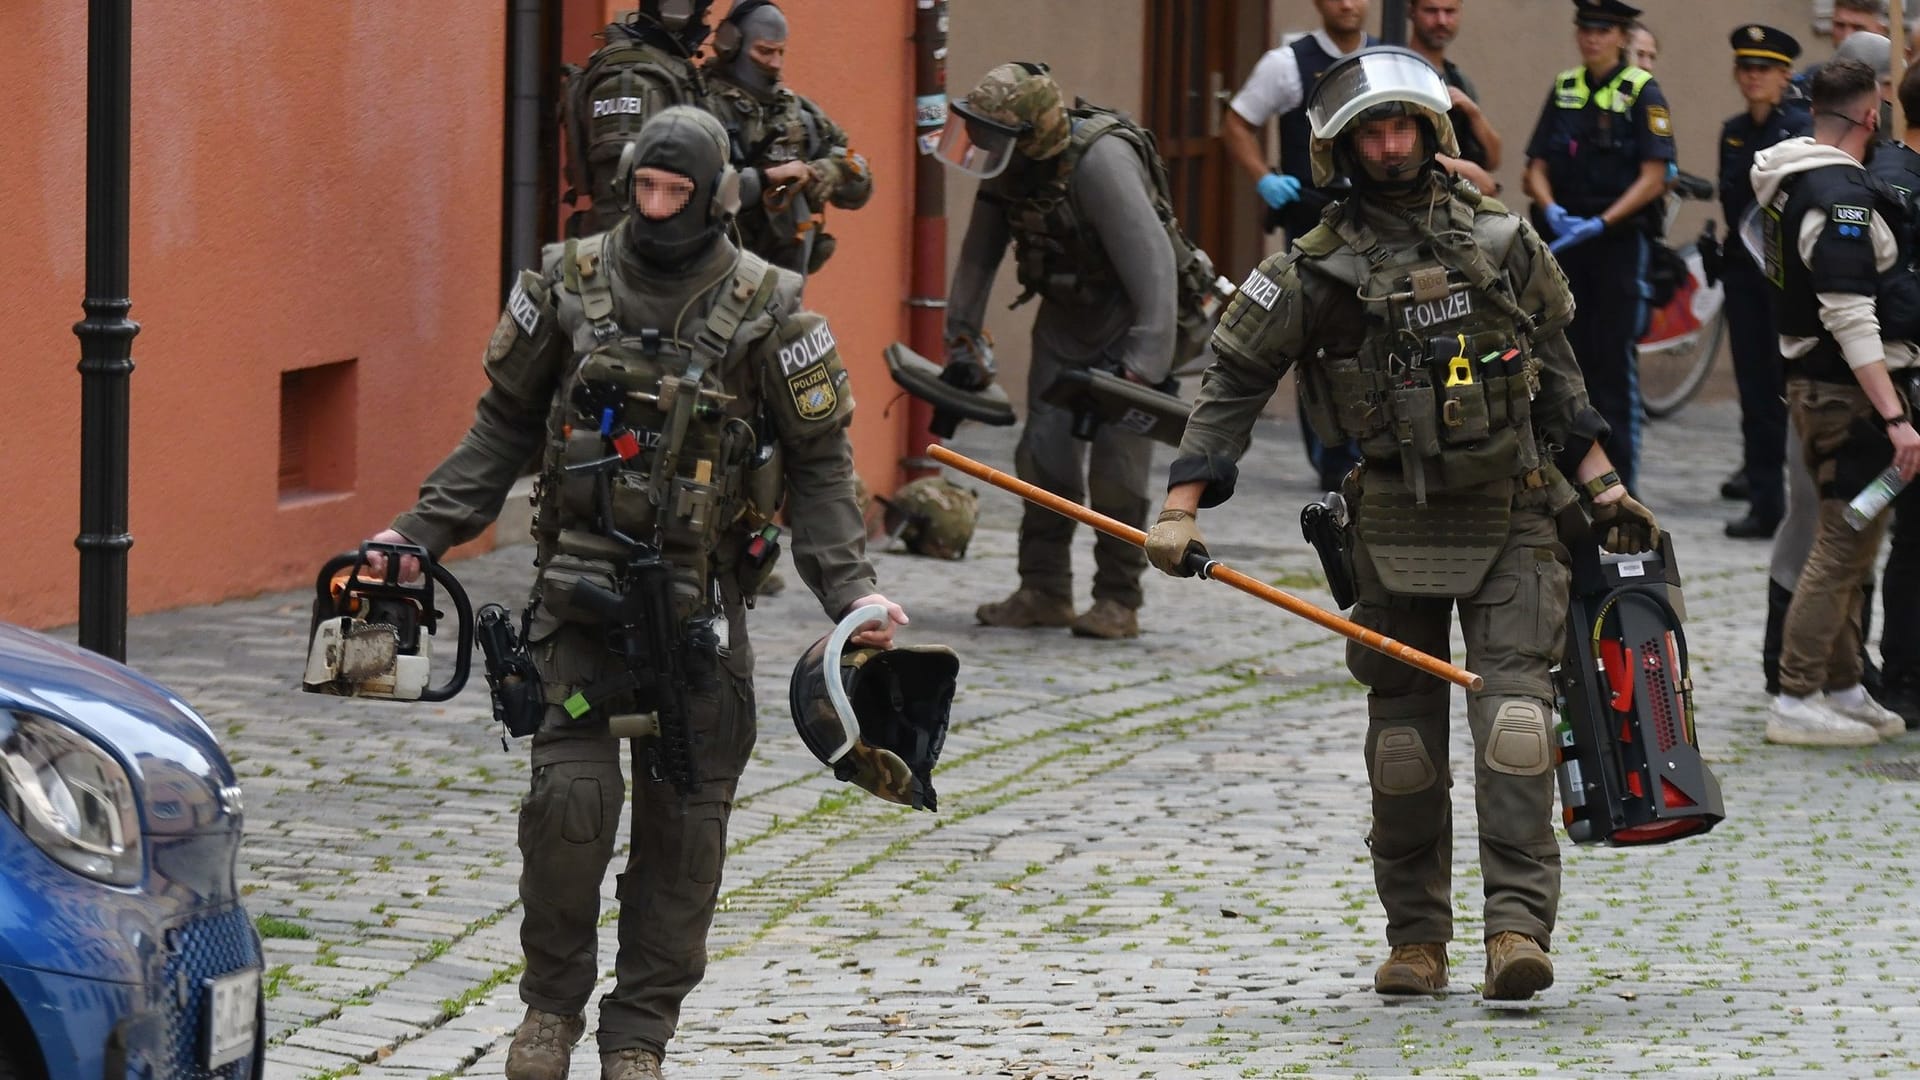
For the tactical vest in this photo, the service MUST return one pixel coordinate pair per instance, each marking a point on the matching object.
(1593, 156)
(603, 106)
(1060, 258)
(651, 441)
(1848, 197)
(771, 133)
(1437, 391)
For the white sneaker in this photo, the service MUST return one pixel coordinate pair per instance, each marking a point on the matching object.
(1862, 709)
(1807, 722)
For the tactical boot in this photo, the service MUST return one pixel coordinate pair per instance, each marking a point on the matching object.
(1108, 619)
(1413, 969)
(635, 1064)
(1026, 607)
(542, 1045)
(1517, 967)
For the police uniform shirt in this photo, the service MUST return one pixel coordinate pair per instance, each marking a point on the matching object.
(1741, 137)
(1275, 88)
(1593, 156)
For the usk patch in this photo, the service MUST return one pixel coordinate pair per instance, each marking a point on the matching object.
(813, 394)
(1852, 215)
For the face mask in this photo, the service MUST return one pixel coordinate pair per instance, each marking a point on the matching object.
(690, 143)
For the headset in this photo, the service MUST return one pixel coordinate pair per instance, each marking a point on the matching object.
(728, 39)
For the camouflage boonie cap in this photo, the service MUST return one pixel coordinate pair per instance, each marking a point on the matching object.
(933, 516)
(1013, 94)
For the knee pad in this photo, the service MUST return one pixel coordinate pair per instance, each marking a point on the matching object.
(575, 801)
(1401, 763)
(1518, 738)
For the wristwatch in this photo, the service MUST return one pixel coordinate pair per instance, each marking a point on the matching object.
(1601, 483)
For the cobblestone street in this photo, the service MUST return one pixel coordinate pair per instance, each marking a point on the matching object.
(1149, 859)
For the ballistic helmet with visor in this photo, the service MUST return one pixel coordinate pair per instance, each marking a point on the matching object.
(1376, 83)
(1016, 107)
(877, 716)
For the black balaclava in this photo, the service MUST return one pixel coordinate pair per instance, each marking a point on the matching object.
(690, 142)
(763, 23)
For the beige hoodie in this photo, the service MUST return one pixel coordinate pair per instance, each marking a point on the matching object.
(1849, 317)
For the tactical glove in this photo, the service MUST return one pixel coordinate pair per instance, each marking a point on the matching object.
(1175, 535)
(1711, 257)
(1579, 230)
(1278, 189)
(969, 362)
(1625, 526)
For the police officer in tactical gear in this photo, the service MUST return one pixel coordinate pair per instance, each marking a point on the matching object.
(670, 384)
(1427, 322)
(1834, 238)
(1763, 69)
(1075, 198)
(645, 66)
(794, 160)
(1596, 171)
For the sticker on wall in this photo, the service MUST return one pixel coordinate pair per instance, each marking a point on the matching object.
(930, 111)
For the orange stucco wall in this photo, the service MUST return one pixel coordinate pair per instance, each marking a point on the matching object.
(314, 183)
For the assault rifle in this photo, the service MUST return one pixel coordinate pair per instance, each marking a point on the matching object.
(660, 655)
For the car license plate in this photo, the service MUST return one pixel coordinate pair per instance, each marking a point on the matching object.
(231, 1005)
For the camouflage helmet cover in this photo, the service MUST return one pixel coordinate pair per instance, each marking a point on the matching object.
(933, 516)
(1023, 92)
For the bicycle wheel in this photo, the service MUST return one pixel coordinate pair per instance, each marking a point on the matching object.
(1682, 339)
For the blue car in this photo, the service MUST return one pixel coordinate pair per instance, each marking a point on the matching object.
(125, 953)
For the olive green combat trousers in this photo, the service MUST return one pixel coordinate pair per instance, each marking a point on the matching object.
(1513, 628)
(671, 882)
(1109, 473)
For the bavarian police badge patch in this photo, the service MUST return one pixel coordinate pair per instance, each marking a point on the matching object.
(813, 392)
(1659, 121)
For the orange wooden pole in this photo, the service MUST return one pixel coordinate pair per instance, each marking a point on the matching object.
(1215, 571)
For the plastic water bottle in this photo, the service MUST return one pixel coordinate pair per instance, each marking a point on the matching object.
(1873, 499)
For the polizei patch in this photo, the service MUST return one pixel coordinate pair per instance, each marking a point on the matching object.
(1431, 313)
(1260, 289)
(1851, 215)
(616, 106)
(522, 308)
(806, 351)
(813, 395)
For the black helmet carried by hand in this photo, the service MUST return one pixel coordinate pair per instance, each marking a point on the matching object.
(878, 716)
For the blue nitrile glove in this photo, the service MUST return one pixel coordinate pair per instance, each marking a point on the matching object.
(1278, 189)
(1578, 231)
(1558, 219)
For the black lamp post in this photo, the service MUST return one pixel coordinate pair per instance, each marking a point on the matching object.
(106, 334)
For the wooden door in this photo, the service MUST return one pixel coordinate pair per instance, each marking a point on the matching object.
(1189, 73)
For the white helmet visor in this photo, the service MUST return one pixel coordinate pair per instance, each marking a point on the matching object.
(1377, 76)
(976, 144)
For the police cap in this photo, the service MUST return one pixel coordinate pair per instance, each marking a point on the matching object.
(1761, 46)
(1601, 14)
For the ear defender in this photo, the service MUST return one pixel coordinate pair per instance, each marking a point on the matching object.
(623, 173)
(675, 15)
(726, 194)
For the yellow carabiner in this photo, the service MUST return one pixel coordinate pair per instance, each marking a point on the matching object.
(1460, 369)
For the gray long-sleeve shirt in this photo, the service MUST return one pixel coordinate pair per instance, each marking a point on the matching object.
(1110, 193)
